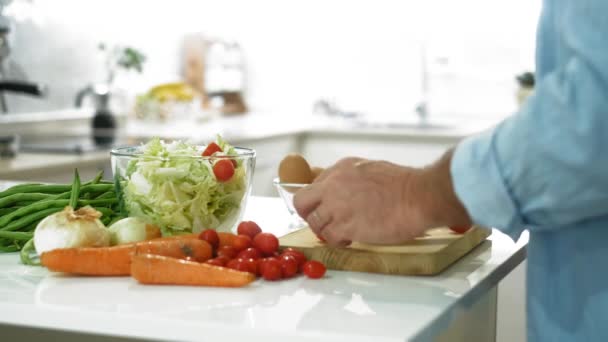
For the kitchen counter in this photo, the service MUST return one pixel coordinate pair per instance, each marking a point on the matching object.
(343, 306)
(259, 126)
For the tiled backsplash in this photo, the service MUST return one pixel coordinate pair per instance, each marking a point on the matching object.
(365, 54)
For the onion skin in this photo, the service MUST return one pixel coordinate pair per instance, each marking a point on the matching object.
(69, 228)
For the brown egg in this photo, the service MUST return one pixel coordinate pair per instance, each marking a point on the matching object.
(295, 169)
(316, 171)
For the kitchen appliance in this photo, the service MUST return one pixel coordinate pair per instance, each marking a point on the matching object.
(427, 255)
(103, 124)
(9, 145)
(11, 75)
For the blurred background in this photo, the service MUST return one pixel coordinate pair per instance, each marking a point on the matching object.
(395, 80)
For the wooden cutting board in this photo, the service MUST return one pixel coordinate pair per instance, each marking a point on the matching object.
(427, 255)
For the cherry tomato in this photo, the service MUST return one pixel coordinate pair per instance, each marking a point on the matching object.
(219, 261)
(239, 265)
(210, 236)
(227, 251)
(262, 264)
(241, 242)
(460, 230)
(289, 266)
(250, 253)
(211, 149)
(252, 265)
(271, 269)
(223, 170)
(249, 228)
(313, 269)
(299, 256)
(267, 243)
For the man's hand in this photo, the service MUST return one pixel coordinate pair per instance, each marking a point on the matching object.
(379, 202)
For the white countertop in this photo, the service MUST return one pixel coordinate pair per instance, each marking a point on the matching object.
(25, 162)
(343, 306)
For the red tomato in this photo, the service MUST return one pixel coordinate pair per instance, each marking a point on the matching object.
(262, 264)
(249, 228)
(313, 269)
(211, 149)
(267, 243)
(241, 242)
(289, 266)
(239, 265)
(252, 265)
(299, 256)
(460, 230)
(271, 269)
(210, 236)
(227, 251)
(223, 170)
(250, 253)
(219, 261)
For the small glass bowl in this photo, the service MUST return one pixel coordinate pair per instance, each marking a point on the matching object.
(286, 192)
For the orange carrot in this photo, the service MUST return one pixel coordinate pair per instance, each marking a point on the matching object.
(99, 261)
(226, 239)
(155, 269)
(193, 249)
(116, 260)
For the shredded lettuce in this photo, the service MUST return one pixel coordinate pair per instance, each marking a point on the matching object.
(169, 185)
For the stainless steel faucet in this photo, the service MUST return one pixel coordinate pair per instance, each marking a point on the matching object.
(422, 108)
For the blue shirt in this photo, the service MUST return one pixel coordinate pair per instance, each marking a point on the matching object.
(545, 169)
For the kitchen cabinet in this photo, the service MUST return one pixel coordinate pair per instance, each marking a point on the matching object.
(269, 152)
(325, 148)
(55, 168)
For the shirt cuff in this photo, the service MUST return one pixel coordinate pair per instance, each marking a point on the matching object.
(479, 184)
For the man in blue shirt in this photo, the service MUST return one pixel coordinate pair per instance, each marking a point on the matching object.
(544, 169)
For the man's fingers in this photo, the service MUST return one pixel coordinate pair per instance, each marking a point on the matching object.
(318, 219)
(334, 237)
(307, 199)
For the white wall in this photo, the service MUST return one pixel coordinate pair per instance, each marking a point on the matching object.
(363, 54)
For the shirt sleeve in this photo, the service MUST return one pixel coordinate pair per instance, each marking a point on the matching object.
(547, 166)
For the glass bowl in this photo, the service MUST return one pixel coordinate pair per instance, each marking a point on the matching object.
(286, 192)
(181, 194)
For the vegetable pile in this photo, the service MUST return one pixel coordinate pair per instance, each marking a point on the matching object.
(173, 187)
(207, 259)
(24, 206)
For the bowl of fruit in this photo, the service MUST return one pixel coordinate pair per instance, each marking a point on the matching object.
(184, 188)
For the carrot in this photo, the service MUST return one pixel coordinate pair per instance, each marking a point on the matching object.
(155, 269)
(116, 260)
(226, 239)
(193, 249)
(98, 261)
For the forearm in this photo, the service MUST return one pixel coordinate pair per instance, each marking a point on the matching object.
(439, 202)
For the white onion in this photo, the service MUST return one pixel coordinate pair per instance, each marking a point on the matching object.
(69, 228)
(132, 229)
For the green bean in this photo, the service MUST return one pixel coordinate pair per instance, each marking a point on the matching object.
(45, 189)
(75, 190)
(16, 235)
(26, 252)
(105, 212)
(97, 178)
(4, 211)
(118, 189)
(29, 219)
(98, 202)
(9, 249)
(107, 194)
(15, 198)
(16, 188)
(32, 208)
(96, 188)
